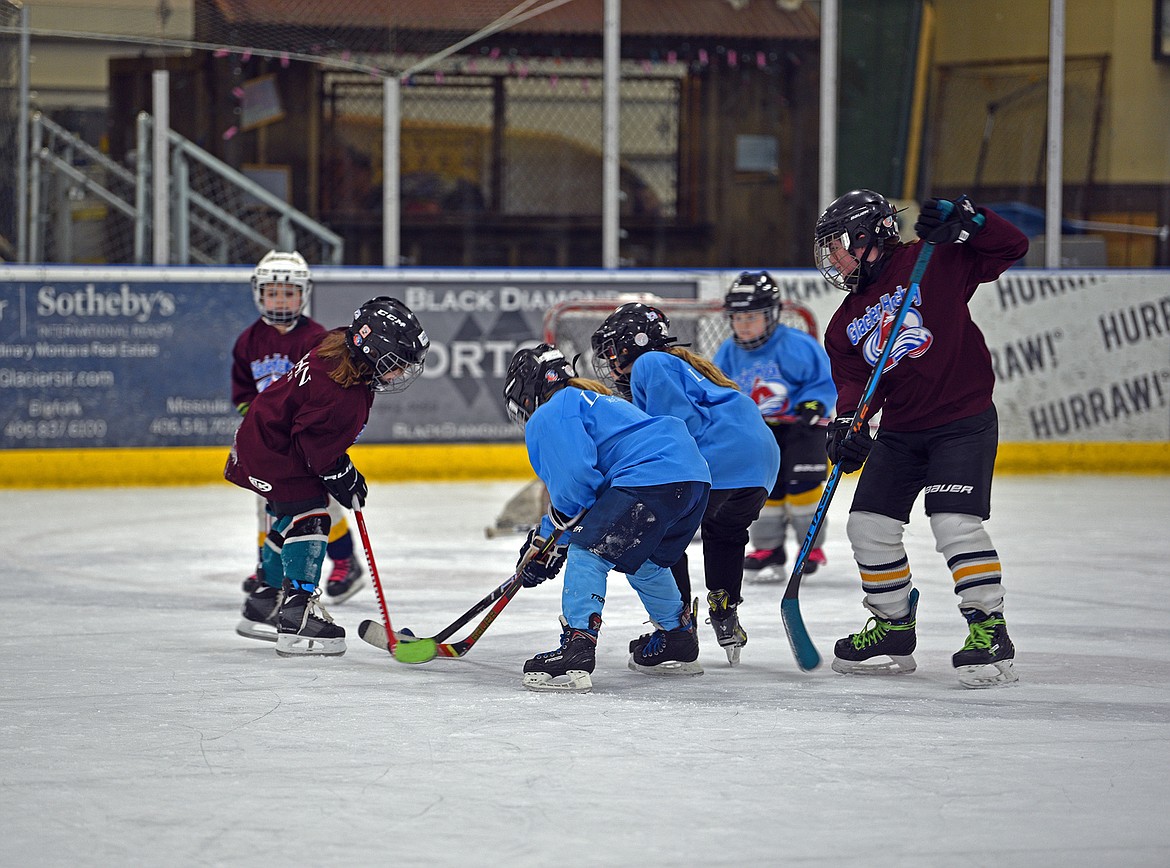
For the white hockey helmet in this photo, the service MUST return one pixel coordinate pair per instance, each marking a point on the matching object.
(288, 269)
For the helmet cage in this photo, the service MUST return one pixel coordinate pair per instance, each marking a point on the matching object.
(281, 269)
(848, 232)
(753, 292)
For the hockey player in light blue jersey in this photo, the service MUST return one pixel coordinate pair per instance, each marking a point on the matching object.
(632, 488)
(786, 372)
(731, 435)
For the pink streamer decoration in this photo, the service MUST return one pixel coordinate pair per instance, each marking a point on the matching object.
(238, 92)
(761, 60)
(230, 132)
(672, 57)
(732, 58)
(703, 56)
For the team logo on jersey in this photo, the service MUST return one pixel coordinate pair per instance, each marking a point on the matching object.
(913, 340)
(771, 396)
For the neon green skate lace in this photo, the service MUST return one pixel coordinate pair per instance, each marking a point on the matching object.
(874, 631)
(980, 634)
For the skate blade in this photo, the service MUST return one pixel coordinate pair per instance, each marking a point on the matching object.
(578, 681)
(292, 645)
(901, 665)
(998, 674)
(349, 592)
(674, 667)
(256, 630)
(733, 654)
(766, 576)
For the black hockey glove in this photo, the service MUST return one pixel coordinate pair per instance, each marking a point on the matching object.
(346, 484)
(944, 222)
(849, 451)
(810, 412)
(540, 568)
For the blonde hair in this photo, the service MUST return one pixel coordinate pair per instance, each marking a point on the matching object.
(704, 366)
(346, 373)
(588, 385)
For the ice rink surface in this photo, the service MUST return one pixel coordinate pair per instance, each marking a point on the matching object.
(138, 729)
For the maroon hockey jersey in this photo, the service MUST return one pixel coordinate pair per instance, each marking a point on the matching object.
(939, 369)
(297, 429)
(262, 355)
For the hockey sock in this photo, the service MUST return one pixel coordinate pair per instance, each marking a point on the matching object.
(583, 592)
(659, 594)
(304, 548)
(971, 558)
(882, 562)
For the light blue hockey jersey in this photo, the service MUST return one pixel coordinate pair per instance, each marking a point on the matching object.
(789, 369)
(581, 444)
(740, 450)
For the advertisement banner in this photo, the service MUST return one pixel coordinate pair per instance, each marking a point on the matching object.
(118, 363)
(474, 328)
(145, 360)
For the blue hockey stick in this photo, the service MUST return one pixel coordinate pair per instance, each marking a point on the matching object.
(806, 654)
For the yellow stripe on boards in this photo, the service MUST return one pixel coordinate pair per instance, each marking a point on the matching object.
(80, 468)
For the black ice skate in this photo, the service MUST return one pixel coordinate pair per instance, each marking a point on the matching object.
(881, 637)
(568, 667)
(985, 660)
(668, 652)
(764, 566)
(304, 628)
(724, 620)
(259, 614)
(347, 579)
(254, 581)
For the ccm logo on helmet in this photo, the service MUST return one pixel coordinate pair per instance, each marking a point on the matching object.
(949, 488)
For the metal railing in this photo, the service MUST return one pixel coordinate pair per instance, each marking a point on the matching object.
(218, 216)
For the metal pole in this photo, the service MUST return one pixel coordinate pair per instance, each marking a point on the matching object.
(1054, 197)
(160, 166)
(140, 195)
(22, 143)
(611, 135)
(828, 168)
(391, 160)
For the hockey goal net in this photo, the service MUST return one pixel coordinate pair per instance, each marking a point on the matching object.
(570, 326)
(701, 323)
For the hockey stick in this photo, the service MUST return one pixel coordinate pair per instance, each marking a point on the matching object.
(391, 638)
(424, 649)
(806, 654)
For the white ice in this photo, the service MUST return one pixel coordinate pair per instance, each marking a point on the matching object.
(138, 729)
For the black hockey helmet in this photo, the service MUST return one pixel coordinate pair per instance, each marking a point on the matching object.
(385, 337)
(754, 291)
(631, 330)
(847, 232)
(534, 375)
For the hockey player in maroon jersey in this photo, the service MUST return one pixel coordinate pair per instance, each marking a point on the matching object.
(264, 351)
(939, 431)
(291, 450)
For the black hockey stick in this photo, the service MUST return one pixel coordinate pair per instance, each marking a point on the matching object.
(375, 633)
(422, 649)
(803, 649)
